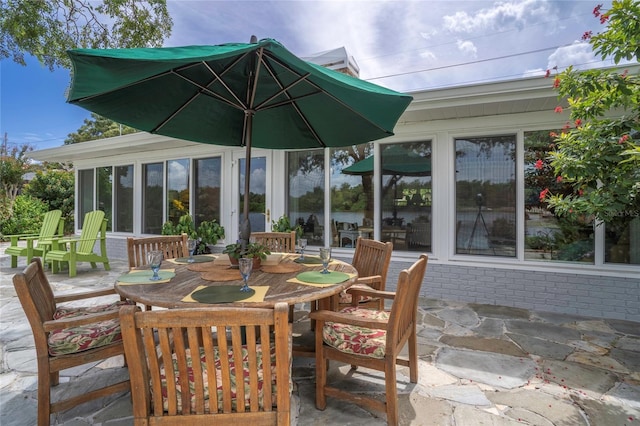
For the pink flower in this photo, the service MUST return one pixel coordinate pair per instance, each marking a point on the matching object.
(558, 110)
(543, 194)
(553, 134)
(623, 139)
(539, 165)
(604, 18)
(547, 74)
(556, 83)
(587, 35)
(596, 10)
(578, 122)
(559, 179)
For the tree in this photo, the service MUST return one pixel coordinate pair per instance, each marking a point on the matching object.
(98, 127)
(598, 153)
(56, 189)
(13, 165)
(47, 28)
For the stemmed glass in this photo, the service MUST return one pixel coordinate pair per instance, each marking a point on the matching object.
(245, 265)
(191, 246)
(325, 256)
(303, 245)
(154, 259)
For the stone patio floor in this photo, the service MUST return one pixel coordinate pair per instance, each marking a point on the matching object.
(479, 365)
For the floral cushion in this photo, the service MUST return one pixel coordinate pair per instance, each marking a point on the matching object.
(345, 298)
(89, 336)
(357, 340)
(232, 367)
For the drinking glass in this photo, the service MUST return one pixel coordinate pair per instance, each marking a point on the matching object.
(191, 246)
(245, 265)
(154, 259)
(325, 256)
(303, 246)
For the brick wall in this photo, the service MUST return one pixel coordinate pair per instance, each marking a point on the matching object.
(567, 293)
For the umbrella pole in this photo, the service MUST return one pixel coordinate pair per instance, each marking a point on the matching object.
(245, 226)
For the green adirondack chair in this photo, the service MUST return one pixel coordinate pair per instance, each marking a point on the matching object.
(74, 250)
(52, 226)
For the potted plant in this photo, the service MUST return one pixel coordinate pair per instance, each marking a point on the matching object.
(283, 224)
(255, 251)
(207, 234)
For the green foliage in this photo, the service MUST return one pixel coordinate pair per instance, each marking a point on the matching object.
(283, 224)
(252, 250)
(26, 218)
(13, 166)
(56, 189)
(597, 154)
(98, 127)
(47, 28)
(208, 232)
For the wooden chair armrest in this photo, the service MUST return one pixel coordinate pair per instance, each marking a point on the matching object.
(80, 320)
(366, 292)
(374, 281)
(84, 295)
(331, 316)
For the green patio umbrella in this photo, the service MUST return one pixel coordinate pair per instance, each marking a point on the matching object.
(396, 160)
(237, 94)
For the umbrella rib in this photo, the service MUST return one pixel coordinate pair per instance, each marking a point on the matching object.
(283, 90)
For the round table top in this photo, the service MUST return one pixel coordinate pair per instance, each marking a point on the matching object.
(171, 294)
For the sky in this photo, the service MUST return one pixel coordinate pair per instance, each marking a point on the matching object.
(403, 45)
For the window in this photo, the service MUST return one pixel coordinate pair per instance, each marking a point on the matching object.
(406, 195)
(123, 199)
(547, 236)
(486, 196)
(152, 198)
(177, 189)
(207, 174)
(305, 202)
(622, 241)
(85, 194)
(104, 188)
(351, 194)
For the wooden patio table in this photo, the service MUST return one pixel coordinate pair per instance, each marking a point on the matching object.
(171, 294)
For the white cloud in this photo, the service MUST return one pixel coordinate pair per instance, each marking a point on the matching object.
(467, 47)
(427, 54)
(578, 54)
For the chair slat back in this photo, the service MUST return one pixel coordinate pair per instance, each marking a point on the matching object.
(173, 246)
(205, 348)
(372, 258)
(52, 224)
(402, 320)
(281, 242)
(92, 226)
(36, 296)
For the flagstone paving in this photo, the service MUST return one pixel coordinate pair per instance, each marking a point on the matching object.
(479, 365)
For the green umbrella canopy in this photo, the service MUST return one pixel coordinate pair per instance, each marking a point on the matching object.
(237, 94)
(205, 93)
(395, 161)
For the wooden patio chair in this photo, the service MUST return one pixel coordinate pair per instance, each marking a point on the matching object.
(169, 389)
(280, 242)
(74, 250)
(173, 247)
(52, 226)
(372, 339)
(65, 336)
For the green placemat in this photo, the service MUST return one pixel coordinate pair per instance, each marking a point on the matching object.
(309, 260)
(196, 259)
(221, 294)
(317, 277)
(144, 277)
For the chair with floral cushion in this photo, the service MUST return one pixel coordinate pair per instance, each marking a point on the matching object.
(178, 375)
(67, 336)
(372, 339)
